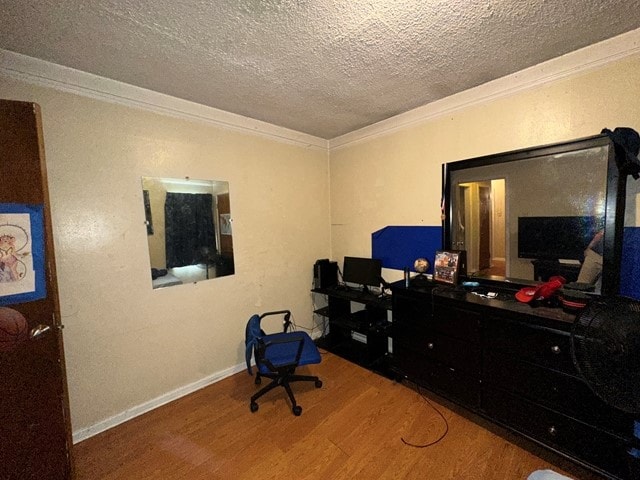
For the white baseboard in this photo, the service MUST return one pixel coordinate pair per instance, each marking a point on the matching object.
(84, 433)
(106, 424)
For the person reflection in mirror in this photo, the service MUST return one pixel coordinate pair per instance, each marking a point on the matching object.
(591, 269)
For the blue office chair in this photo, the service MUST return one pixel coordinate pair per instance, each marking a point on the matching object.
(277, 357)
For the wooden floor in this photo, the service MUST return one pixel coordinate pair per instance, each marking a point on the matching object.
(350, 428)
(497, 268)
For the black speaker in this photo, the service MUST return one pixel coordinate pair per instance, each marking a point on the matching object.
(325, 274)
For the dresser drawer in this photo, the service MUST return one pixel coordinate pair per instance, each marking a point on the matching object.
(456, 322)
(557, 431)
(561, 392)
(452, 352)
(411, 334)
(542, 346)
(411, 311)
(456, 385)
(452, 384)
(408, 362)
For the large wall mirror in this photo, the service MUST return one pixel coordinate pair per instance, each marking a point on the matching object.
(188, 230)
(531, 214)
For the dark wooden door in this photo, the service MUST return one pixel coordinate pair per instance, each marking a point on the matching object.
(227, 266)
(224, 208)
(484, 256)
(35, 433)
(459, 240)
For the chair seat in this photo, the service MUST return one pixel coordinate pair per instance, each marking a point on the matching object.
(277, 356)
(284, 353)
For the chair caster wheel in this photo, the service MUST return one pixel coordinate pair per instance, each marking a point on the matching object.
(318, 383)
(253, 407)
(258, 381)
(297, 410)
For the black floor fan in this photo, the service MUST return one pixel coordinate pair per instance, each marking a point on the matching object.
(605, 345)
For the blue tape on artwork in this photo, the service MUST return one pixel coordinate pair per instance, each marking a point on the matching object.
(399, 246)
(22, 261)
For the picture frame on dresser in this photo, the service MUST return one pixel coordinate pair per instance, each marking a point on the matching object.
(448, 266)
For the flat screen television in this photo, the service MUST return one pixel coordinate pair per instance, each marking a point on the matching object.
(556, 238)
(362, 271)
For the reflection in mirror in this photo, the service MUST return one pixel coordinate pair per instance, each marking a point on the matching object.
(532, 216)
(188, 230)
(479, 226)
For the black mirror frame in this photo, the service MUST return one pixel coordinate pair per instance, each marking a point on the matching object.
(614, 198)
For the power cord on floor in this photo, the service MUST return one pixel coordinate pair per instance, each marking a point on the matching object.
(446, 423)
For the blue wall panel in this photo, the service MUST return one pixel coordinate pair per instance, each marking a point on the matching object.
(630, 268)
(399, 246)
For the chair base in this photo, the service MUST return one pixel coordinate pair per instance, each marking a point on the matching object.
(282, 380)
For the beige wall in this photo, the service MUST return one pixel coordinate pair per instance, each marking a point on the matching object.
(394, 179)
(125, 343)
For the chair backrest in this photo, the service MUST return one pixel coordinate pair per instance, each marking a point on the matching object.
(252, 334)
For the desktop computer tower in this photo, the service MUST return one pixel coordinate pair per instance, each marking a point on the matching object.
(325, 274)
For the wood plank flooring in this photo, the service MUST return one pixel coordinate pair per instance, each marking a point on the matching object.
(351, 428)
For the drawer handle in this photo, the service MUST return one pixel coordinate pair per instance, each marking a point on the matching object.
(552, 431)
(556, 349)
(430, 346)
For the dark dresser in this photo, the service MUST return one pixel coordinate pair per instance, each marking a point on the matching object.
(510, 363)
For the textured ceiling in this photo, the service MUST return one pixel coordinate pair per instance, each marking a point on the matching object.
(323, 67)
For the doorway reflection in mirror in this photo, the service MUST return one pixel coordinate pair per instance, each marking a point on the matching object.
(480, 226)
(191, 238)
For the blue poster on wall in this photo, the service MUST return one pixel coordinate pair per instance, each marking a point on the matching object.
(399, 246)
(22, 263)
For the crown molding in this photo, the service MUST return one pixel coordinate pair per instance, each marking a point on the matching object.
(51, 75)
(47, 74)
(573, 63)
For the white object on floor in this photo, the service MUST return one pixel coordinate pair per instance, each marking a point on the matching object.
(546, 475)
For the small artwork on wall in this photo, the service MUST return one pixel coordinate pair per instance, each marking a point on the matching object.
(147, 212)
(22, 277)
(225, 224)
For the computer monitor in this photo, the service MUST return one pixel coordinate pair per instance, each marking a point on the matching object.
(554, 238)
(363, 271)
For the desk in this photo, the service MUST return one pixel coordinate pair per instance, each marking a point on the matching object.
(359, 336)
